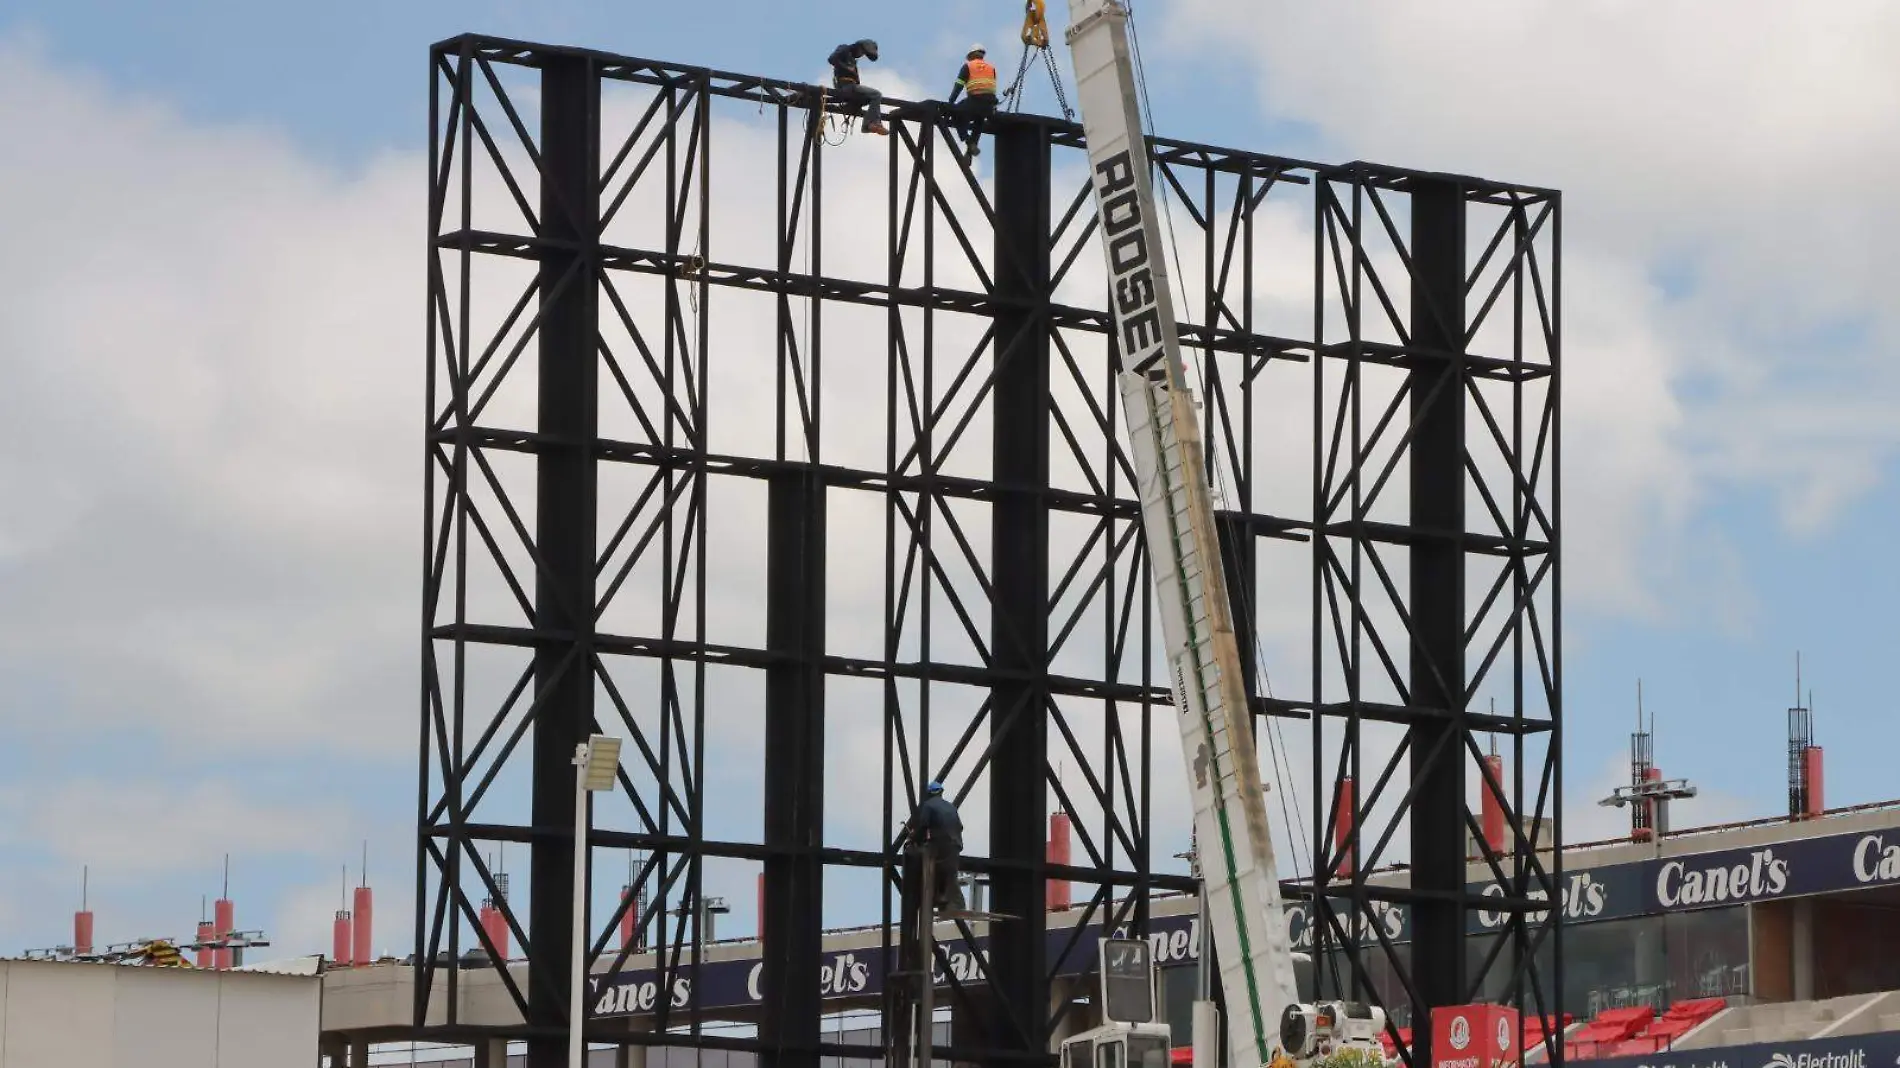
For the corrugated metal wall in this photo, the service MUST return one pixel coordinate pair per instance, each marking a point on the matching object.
(112, 1016)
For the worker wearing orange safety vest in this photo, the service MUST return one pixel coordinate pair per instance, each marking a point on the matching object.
(978, 79)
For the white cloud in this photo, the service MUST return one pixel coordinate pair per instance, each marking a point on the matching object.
(1740, 157)
(151, 827)
(218, 342)
(210, 353)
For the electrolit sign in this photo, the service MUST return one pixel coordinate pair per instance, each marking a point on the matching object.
(1857, 1051)
(1690, 882)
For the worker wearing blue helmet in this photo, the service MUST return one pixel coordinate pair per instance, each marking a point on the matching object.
(937, 828)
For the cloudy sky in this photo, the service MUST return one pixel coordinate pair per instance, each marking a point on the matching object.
(210, 369)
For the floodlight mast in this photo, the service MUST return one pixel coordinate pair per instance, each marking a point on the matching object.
(596, 765)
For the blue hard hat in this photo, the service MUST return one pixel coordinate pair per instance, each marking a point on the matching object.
(934, 788)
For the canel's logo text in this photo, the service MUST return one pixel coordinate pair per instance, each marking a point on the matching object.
(1682, 882)
(1583, 898)
(1875, 861)
(1303, 933)
(844, 975)
(639, 997)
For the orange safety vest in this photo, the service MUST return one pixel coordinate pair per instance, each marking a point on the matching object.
(982, 79)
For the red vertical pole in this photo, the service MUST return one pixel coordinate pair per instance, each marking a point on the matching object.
(496, 926)
(340, 939)
(1811, 762)
(1343, 812)
(82, 932)
(365, 911)
(1491, 805)
(1059, 852)
(630, 919)
(224, 914)
(205, 934)
(1651, 805)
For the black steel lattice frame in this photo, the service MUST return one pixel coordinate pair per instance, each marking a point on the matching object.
(1435, 654)
(1030, 707)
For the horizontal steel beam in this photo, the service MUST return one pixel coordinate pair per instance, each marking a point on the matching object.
(851, 291)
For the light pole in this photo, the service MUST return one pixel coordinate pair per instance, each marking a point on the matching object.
(595, 763)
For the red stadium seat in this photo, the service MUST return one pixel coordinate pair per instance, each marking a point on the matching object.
(1698, 1009)
(1670, 1028)
(1614, 1025)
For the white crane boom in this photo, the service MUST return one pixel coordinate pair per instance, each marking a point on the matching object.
(1240, 877)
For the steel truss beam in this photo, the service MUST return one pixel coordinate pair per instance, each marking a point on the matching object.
(1016, 656)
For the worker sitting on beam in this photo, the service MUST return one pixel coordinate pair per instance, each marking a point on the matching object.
(849, 90)
(978, 79)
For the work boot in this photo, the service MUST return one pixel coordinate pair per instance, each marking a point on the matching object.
(877, 128)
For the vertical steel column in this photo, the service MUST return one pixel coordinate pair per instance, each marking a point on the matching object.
(565, 507)
(1019, 622)
(795, 774)
(1238, 554)
(1438, 758)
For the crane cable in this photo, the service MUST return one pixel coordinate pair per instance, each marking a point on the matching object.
(1290, 810)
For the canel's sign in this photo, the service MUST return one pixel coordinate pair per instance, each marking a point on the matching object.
(861, 972)
(1720, 879)
(1585, 897)
(1875, 861)
(1794, 868)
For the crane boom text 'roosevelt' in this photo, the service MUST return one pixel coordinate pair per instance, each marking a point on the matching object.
(1136, 310)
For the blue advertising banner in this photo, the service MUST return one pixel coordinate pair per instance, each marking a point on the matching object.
(1854, 1051)
(1655, 886)
(1827, 864)
(1175, 941)
(1590, 894)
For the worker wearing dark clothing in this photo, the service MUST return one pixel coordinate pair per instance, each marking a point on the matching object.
(937, 827)
(848, 89)
(978, 79)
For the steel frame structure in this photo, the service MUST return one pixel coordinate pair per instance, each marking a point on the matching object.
(1421, 273)
(1031, 654)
